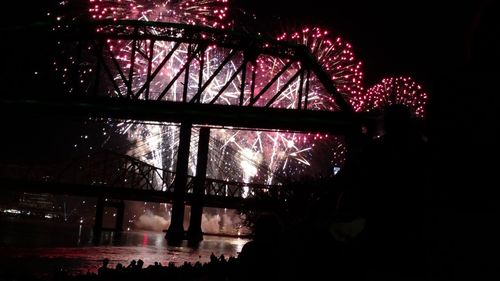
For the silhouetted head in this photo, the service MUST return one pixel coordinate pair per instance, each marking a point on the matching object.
(267, 227)
(397, 119)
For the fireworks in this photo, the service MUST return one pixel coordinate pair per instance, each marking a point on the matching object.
(205, 12)
(337, 59)
(399, 90)
(289, 154)
(156, 143)
(235, 154)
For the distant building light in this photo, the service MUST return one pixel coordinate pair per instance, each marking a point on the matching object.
(12, 211)
(336, 170)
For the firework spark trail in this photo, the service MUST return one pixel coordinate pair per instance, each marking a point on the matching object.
(158, 148)
(337, 59)
(204, 12)
(212, 59)
(396, 90)
(283, 153)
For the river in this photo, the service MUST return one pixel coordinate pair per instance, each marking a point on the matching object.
(41, 247)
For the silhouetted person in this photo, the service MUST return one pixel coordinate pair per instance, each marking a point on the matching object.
(119, 267)
(389, 183)
(140, 264)
(261, 258)
(132, 264)
(103, 271)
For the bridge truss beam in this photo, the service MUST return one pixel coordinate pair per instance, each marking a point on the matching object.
(188, 64)
(336, 122)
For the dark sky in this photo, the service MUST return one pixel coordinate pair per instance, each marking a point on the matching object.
(411, 37)
(441, 45)
(391, 37)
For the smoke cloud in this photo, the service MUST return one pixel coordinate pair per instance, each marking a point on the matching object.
(150, 221)
(214, 221)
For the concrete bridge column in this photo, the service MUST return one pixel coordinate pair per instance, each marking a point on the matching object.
(175, 232)
(99, 213)
(120, 212)
(195, 234)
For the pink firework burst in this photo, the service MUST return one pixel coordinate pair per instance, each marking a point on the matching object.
(205, 12)
(236, 155)
(396, 90)
(337, 58)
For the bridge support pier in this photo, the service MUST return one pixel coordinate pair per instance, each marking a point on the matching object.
(195, 235)
(120, 212)
(175, 232)
(99, 214)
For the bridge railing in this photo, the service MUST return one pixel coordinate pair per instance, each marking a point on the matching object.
(222, 188)
(106, 169)
(111, 170)
(115, 170)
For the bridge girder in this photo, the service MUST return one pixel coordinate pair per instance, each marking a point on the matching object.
(147, 60)
(110, 175)
(203, 114)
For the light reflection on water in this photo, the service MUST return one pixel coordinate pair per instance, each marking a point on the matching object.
(44, 247)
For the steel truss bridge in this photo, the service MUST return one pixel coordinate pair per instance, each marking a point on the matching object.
(176, 73)
(110, 175)
(168, 72)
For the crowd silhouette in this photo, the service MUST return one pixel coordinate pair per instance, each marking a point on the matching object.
(388, 188)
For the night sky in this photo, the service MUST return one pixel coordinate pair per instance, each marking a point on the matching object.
(418, 38)
(391, 37)
(441, 45)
